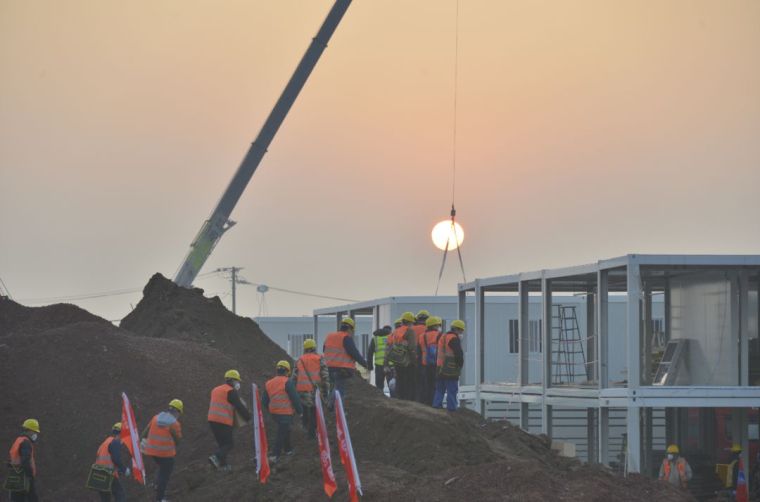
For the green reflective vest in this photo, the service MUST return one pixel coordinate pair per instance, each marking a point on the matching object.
(381, 343)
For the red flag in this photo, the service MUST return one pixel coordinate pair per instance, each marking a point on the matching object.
(347, 451)
(130, 436)
(260, 438)
(741, 484)
(328, 476)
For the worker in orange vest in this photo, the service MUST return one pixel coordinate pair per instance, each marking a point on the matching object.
(22, 461)
(449, 362)
(225, 401)
(419, 329)
(311, 377)
(160, 439)
(675, 469)
(281, 399)
(402, 355)
(428, 344)
(109, 457)
(341, 356)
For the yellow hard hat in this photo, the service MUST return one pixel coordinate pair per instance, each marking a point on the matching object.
(232, 375)
(423, 314)
(177, 405)
(309, 343)
(433, 321)
(407, 317)
(736, 448)
(398, 321)
(673, 449)
(459, 324)
(283, 364)
(348, 321)
(31, 424)
(116, 427)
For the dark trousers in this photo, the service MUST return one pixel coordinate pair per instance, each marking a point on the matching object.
(429, 392)
(30, 496)
(117, 490)
(283, 434)
(165, 467)
(223, 436)
(421, 384)
(406, 380)
(380, 377)
(309, 420)
(450, 387)
(338, 378)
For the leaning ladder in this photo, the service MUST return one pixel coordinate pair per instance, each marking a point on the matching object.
(568, 355)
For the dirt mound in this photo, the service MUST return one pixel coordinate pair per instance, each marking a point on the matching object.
(16, 318)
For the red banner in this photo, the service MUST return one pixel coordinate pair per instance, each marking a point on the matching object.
(260, 438)
(328, 476)
(741, 484)
(130, 437)
(347, 451)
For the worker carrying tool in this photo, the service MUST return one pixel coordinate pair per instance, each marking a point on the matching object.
(428, 344)
(341, 356)
(225, 402)
(376, 355)
(23, 469)
(160, 439)
(281, 399)
(675, 469)
(419, 331)
(402, 355)
(312, 382)
(449, 362)
(108, 459)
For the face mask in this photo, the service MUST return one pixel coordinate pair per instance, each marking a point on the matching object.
(670, 456)
(33, 437)
(236, 385)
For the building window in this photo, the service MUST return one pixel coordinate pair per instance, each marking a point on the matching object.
(295, 343)
(514, 337)
(536, 341)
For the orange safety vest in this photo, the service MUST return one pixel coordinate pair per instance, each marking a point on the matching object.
(279, 401)
(160, 442)
(428, 339)
(219, 409)
(103, 457)
(15, 453)
(335, 354)
(444, 349)
(398, 334)
(680, 465)
(308, 372)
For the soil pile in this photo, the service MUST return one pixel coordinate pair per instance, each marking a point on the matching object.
(16, 318)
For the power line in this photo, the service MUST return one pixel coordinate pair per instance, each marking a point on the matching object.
(84, 296)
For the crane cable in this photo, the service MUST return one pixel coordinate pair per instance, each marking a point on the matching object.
(453, 164)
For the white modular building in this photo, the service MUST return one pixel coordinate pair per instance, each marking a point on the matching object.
(290, 332)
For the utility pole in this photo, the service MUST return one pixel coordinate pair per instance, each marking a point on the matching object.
(234, 280)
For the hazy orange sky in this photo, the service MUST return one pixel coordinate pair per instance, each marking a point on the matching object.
(587, 129)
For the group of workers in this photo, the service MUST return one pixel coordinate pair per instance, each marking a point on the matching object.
(418, 359)
(677, 471)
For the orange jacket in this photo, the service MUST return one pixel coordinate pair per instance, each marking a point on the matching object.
(103, 457)
(15, 453)
(308, 372)
(220, 410)
(444, 349)
(160, 442)
(428, 340)
(335, 353)
(680, 465)
(279, 401)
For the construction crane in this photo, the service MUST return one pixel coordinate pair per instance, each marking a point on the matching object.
(219, 221)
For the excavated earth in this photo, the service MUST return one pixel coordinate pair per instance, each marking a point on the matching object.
(68, 368)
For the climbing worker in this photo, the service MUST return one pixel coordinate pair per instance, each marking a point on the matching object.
(376, 355)
(675, 469)
(281, 399)
(160, 439)
(419, 331)
(23, 467)
(341, 356)
(402, 355)
(449, 362)
(311, 377)
(225, 401)
(109, 457)
(428, 344)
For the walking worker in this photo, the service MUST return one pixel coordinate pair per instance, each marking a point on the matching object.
(675, 469)
(428, 343)
(450, 360)
(419, 331)
(376, 354)
(341, 356)
(225, 401)
(161, 437)
(281, 399)
(109, 457)
(402, 355)
(22, 464)
(734, 467)
(311, 377)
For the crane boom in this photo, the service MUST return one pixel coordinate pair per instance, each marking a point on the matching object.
(219, 222)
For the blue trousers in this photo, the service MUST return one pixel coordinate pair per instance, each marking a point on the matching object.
(450, 387)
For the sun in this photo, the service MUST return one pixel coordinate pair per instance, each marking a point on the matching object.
(446, 231)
